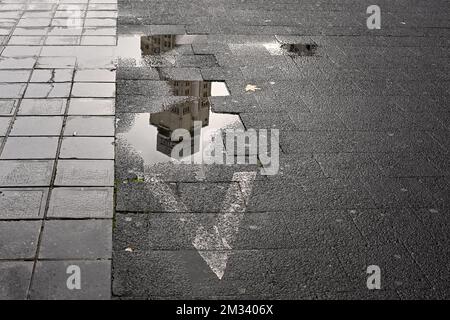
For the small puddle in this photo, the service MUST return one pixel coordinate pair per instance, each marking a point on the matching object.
(143, 50)
(291, 49)
(300, 49)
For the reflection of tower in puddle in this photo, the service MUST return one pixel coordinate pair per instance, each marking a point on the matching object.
(182, 115)
(158, 44)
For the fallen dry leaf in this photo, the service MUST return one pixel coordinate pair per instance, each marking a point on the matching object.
(252, 88)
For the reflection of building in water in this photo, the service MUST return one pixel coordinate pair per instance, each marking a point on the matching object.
(153, 45)
(201, 89)
(180, 116)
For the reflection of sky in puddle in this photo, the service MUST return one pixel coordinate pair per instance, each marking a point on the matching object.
(143, 136)
(219, 89)
(129, 47)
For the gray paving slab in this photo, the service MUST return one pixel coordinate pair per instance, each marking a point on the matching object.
(15, 277)
(87, 148)
(76, 239)
(91, 106)
(14, 75)
(49, 107)
(89, 126)
(12, 90)
(4, 125)
(50, 280)
(25, 173)
(22, 203)
(85, 173)
(19, 239)
(55, 62)
(17, 63)
(81, 203)
(30, 148)
(93, 89)
(52, 75)
(48, 90)
(37, 126)
(95, 75)
(7, 107)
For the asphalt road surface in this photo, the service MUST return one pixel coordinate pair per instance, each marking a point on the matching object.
(363, 175)
(319, 134)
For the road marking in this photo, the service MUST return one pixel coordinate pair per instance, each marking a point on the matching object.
(167, 198)
(214, 244)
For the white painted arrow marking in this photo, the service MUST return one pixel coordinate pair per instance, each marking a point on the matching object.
(214, 245)
(167, 198)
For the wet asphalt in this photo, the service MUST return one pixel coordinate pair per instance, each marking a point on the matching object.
(363, 151)
(121, 127)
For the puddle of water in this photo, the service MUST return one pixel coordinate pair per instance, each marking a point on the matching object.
(149, 134)
(300, 49)
(292, 49)
(147, 50)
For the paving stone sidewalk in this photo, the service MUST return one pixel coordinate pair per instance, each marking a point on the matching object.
(57, 106)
